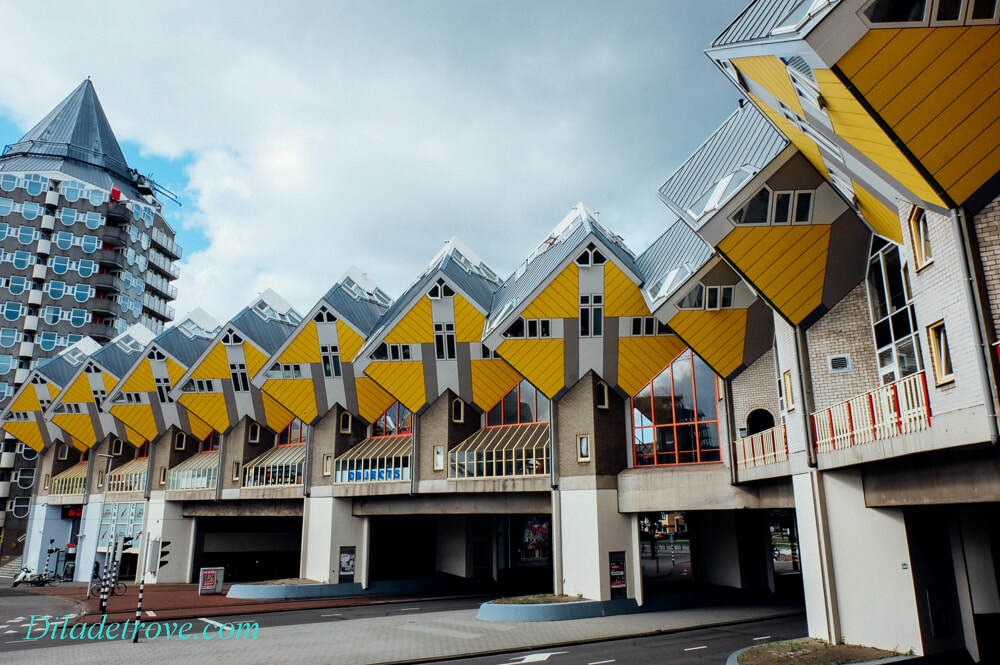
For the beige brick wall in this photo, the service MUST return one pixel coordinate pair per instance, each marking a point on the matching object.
(987, 226)
(755, 388)
(844, 329)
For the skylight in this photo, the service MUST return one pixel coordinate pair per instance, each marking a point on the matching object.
(718, 194)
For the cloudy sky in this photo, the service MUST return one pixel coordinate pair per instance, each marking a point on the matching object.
(305, 137)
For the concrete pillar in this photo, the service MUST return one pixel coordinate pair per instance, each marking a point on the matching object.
(165, 522)
(592, 529)
(454, 551)
(328, 525)
(856, 568)
(90, 529)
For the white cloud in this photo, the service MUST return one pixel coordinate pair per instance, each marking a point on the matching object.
(326, 135)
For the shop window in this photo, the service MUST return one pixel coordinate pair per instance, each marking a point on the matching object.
(920, 238)
(522, 405)
(591, 316)
(940, 353)
(786, 382)
(439, 458)
(582, 447)
(180, 440)
(603, 399)
(253, 433)
(675, 416)
(345, 422)
(327, 465)
(457, 411)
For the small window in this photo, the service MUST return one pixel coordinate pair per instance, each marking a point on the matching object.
(756, 209)
(345, 422)
(782, 208)
(582, 447)
(457, 411)
(163, 475)
(920, 237)
(253, 433)
(943, 371)
(100, 479)
(439, 458)
(116, 447)
(327, 465)
(180, 440)
(45, 483)
(803, 207)
(711, 297)
(236, 470)
(786, 379)
(63, 452)
(727, 297)
(603, 399)
(694, 298)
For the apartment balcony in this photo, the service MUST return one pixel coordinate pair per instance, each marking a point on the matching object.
(166, 244)
(7, 460)
(160, 286)
(875, 425)
(114, 236)
(118, 213)
(164, 265)
(4, 490)
(280, 466)
(154, 304)
(198, 472)
(129, 477)
(72, 481)
(762, 455)
(109, 257)
(99, 331)
(377, 465)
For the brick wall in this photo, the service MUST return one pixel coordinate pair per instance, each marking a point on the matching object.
(987, 226)
(755, 388)
(844, 329)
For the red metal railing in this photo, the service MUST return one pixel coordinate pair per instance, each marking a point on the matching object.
(767, 447)
(895, 408)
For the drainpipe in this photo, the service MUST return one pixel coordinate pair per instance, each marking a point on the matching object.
(805, 381)
(307, 467)
(150, 466)
(414, 451)
(732, 430)
(556, 519)
(220, 477)
(977, 313)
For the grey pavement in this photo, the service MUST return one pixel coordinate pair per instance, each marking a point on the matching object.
(401, 637)
(16, 607)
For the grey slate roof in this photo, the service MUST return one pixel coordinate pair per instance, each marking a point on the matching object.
(267, 334)
(756, 21)
(57, 369)
(76, 129)
(746, 138)
(185, 349)
(115, 359)
(677, 249)
(363, 314)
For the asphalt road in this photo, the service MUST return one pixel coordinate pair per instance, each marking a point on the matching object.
(691, 647)
(16, 608)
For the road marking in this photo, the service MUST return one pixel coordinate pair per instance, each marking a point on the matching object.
(150, 613)
(9, 632)
(432, 629)
(695, 648)
(765, 637)
(533, 657)
(218, 625)
(601, 662)
(408, 609)
(17, 619)
(332, 615)
(25, 625)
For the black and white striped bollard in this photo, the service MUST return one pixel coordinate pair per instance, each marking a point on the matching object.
(138, 610)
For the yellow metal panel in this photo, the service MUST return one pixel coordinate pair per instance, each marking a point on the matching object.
(786, 263)
(491, 380)
(853, 124)
(540, 361)
(134, 437)
(79, 426)
(54, 390)
(276, 416)
(27, 400)
(79, 445)
(806, 145)
(175, 371)
(864, 50)
(255, 359)
(304, 348)
(417, 327)
(349, 342)
(210, 407)
(141, 379)
(468, 321)
(906, 70)
(138, 417)
(214, 366)
(621, 295)
(903, 43)
(199, 428)
(770, 73)
(297, 395)
(27, 432)
(79, 391)
(404, 380)
(965, 186)
(716, 336)
(642, 358)
(372, 400)
(110, 382)
(883, 220)
(559, 300)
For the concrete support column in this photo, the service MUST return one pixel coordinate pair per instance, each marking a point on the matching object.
(557, 549)
(328, 525)
(165, 522)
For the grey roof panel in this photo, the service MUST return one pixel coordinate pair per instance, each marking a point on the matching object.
(363, 314)
(403, 301)
(77, 129)
(475, 286)
(57, 369)
(267, 334)
(746, 138)
(756, 21)
(676, 246)
(185, 349)
(115, 359)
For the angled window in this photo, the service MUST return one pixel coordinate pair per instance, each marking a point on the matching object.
(457, 410)
(920, 238)
(294, 434)
(523, 404)
(516, 329)
(253, 433)
(397, 419)
(210, 443)
(345, 422)
(896, 11)
(755, 211)
(603, 399)
(894, 320)
(694, 299)
(940, 353)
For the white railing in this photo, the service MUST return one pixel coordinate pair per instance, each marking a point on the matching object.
(890, 410)
(127, 482)
(767, 447)
(72, 485)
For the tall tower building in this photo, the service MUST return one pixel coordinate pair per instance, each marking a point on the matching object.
(84, 252)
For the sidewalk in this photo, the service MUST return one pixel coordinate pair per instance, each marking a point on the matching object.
(181, 601)
(394, 639)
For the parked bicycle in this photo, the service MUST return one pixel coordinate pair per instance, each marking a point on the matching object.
(118, 589)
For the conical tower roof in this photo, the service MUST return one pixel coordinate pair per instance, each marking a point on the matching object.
(75, 129)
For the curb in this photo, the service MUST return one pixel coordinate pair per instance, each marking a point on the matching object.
(734, 656)
(565, 611)
(569, 643)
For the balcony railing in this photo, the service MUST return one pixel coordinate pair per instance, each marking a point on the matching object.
(166, 242)
(763, 448)
(164, 264)
(71, 481)
(130, 477)
(279, 466)
(890, 410)
(198, 472)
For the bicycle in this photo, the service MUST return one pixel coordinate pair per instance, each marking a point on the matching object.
(119, 589)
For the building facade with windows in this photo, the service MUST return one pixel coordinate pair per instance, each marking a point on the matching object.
(84, 253)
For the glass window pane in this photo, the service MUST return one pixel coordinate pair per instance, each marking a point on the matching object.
(642, 408)
(493, 417)
(510, 408)
(708, 435)
(687, 447)
(683, 389)
(782, 208)
(876, 290)
(906, 355)
(665, 448)
(663, 404)
(894, 279)
(755, 211)
(526, 408)
(704, 383)
(543, 408)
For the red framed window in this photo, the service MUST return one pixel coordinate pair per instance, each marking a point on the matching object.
(397, 419)
(143, 451)
(294, 434)
(675, 417)
(521, 406)
(210, 443)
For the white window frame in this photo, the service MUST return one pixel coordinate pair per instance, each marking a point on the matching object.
(439, 458)
(584, 454)
(774, 208)
(117, 446)
(350, 423)
(940, 348)
(718, 298)
(253, 433)
(182, 437)
(327, 465)
(795, 206)
(461, 415)
(163, 475)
